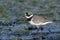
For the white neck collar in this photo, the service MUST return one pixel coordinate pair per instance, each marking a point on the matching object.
(29, 16)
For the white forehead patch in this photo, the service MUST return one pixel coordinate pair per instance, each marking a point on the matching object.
(29, 16)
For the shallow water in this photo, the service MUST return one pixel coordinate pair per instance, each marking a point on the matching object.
(22, 32)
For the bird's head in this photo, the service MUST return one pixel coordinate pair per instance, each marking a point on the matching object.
(28, 15)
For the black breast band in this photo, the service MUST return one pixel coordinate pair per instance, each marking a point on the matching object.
(29, 19)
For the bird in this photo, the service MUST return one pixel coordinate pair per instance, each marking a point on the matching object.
(36, 20)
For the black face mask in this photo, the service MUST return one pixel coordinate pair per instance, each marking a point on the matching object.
(27, 14)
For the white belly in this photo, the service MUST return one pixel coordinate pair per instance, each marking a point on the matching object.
(41, 23)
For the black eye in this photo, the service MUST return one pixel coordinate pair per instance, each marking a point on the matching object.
(27, 14)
